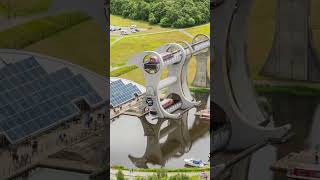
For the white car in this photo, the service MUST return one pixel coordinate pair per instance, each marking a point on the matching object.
(124, 32)
(133, 26)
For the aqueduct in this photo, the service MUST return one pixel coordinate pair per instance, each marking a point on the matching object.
(175, 57)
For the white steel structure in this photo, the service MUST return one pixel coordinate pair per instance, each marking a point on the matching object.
(175, 57)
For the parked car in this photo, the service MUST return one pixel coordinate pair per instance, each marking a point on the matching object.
(124, 32)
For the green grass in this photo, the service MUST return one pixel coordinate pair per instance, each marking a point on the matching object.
(24, 7)
(162, 169)
(131, 46)
(199, 90)
(203, 29)
(22, 35)
(122, 70)
(113, 38)
(84, 44)
(292, 90)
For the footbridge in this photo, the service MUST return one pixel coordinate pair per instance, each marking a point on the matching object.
(175, 57)
(233, 89)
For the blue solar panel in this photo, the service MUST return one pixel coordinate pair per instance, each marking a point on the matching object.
(31, 99)
(122, 93)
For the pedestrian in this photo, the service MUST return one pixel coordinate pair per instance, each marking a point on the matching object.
(203, 175)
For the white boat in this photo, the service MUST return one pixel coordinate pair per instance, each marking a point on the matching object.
(194, 162)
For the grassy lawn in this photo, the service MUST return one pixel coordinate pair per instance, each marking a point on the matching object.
(24, 7)
(203, 29)
(131, 46)
(113, 38)
(71, 45)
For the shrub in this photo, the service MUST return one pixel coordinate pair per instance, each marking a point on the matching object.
(165, 22)
(120, 175)
(179, 177)
(153, 177)
(161, 173)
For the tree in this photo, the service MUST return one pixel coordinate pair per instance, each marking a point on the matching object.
(165, 22)
(167, 13)
(152, 19)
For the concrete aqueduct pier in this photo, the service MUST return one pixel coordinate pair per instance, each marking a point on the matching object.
(201, 78)
(175, 57)
(293, 55)
(233, 89)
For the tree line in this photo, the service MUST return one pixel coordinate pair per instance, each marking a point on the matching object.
(166, 13)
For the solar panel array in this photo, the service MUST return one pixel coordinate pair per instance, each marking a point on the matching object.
(122, 93)
(31, 100)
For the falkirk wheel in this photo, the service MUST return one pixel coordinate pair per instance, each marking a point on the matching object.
(175, 57)
(233, 90)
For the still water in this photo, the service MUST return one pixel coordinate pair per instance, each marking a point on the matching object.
(140, 142)
(303, 113)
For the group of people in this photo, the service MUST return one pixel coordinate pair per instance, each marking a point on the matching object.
(22, 154)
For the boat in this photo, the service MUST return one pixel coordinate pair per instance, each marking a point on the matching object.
(309, 173)
(194, 162)
(205, 115)
(165, 103)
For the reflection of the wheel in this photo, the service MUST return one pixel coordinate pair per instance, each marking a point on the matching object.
(178, 140)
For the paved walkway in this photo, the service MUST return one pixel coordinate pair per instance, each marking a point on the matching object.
(134, 174)
(115, 112)
(48, 144)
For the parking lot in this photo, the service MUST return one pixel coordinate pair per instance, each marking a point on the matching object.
(119, 30)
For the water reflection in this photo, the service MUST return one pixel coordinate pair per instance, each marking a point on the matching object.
(141, 142)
